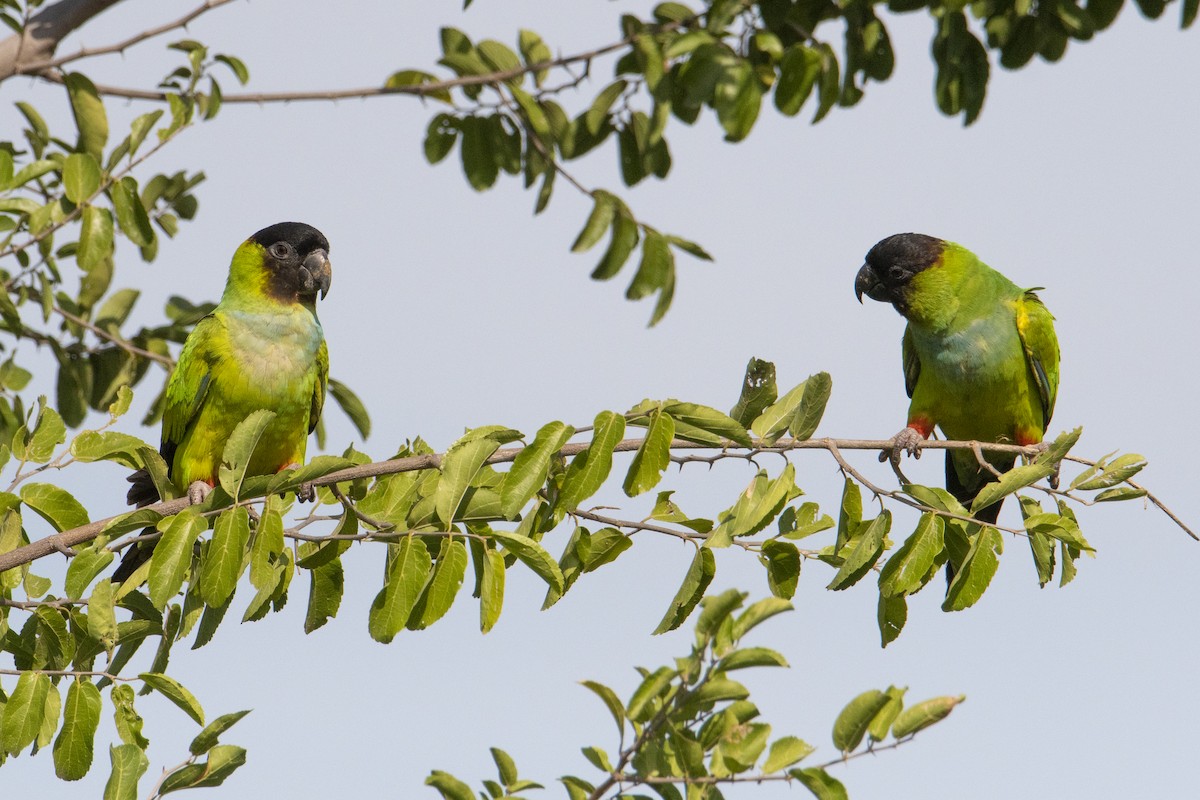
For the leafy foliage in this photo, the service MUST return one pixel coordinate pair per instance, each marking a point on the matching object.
(691, 727)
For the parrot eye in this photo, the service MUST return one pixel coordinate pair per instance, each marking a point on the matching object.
(281, 250)
(897, 274)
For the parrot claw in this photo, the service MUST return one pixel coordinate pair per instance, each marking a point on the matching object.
(906, 441)
(198, 492)
(1038, 449)
(305, 492)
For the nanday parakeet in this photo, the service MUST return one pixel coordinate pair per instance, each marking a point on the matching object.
(980, 355)
(262, 347)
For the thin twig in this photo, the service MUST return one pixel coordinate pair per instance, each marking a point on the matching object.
(125, 345)
(120, 47)
(85, 533)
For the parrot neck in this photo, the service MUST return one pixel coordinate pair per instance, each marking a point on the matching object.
(249, 288)
(957, 290)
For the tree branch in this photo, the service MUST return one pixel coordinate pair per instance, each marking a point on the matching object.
(44, 31)
(36, 67)
(85, 533)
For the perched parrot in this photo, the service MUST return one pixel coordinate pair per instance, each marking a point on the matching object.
(980, 354)
(262, 347)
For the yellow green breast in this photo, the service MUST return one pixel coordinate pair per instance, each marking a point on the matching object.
(261, 361)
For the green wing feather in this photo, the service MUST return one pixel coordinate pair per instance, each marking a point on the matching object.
(1035, 325)
(912, 362)
(189, 383)
(318, 398)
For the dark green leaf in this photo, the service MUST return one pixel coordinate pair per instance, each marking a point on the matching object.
(222, 565)
(653, 455)
(174, 691)
(976, 571)
(81, 718)
(207, 738)
(173, 555)
(699, 575)
(410, 564)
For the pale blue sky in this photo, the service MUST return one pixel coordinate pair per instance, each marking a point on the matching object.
(452, 309)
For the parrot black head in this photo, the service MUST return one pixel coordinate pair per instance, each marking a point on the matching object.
(892, 263)
(296, 259)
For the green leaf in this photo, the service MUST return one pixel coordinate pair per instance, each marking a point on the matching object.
(531, 466)
(812, 406)
(1118, 471)
(23, 713)
(653, 454)
(450, 787)
(89, 114)
(129, 763)
(640, 706)
(410, 564)
(798, 73)
(95, 238)
(784, 752)
(751, 657)
(782, 560)
(460, 465)
(131, 214)
(624, 240)
(81, 177)
(491, 589)
(54, 505)
(101, 617)
(611, 702)
(891, 614)
(442, 587)
(207, 738)
(222, 564)
(655, 268)
(758, 613)
(699, 575)
(976, 571)
(235, 458)
(174, 691)
(325, 594)
(352, 406)
(823, 785)
(851, 724)
(866, 549)
(589, 469)
(905, 572)
(173, 555)
(1011, 481)
(598, 112)
(83, 569)
(708, 420)
(532, 555)
(774, 420)
(603, 208)
(920, 716)
(758, 392)
(882, 722)
(81, 718)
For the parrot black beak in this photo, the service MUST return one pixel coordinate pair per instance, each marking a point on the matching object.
(315, 273)
(867, 282)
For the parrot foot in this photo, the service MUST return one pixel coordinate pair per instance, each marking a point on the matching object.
(198, 492)
(906, 441)
(1042, 447)
(305, 492)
